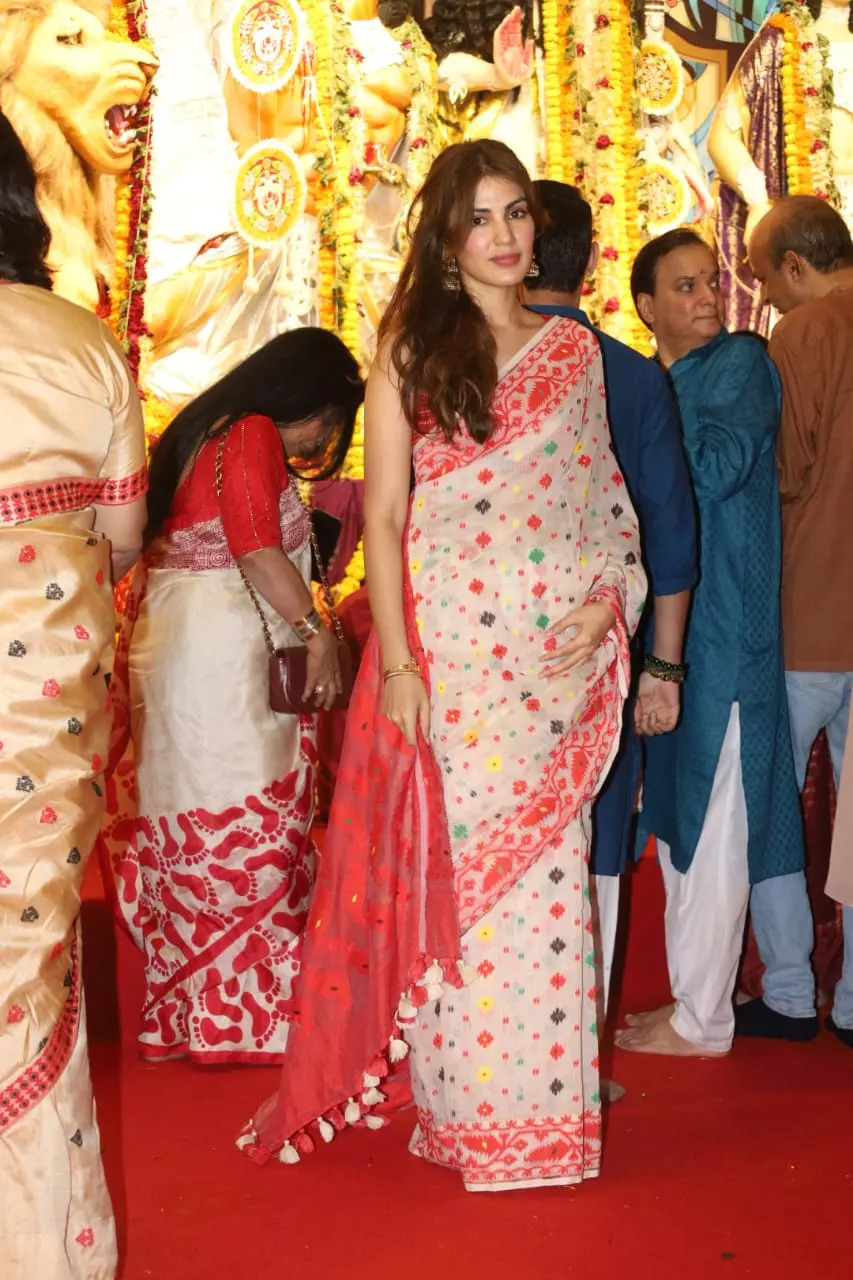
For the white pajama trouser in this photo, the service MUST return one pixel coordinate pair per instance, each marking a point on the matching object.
(604, 891)
(706, 908)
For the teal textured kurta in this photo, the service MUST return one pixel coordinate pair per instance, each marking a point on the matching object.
(729, 399)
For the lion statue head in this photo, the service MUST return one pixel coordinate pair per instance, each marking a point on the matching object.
(72, 95)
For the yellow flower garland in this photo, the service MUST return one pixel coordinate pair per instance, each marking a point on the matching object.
(319, 72)
(555, 17)
(806, 104)
(612, 167)
(120, 283)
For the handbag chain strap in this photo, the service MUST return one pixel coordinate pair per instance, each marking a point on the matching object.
(327, 593)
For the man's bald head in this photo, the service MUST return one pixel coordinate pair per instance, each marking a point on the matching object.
(797, 248)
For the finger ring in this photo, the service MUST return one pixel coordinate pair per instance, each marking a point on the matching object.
(319, 688)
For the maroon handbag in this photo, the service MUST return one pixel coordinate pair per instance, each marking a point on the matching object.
(288, 667)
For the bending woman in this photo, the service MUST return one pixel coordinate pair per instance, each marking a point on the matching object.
(214, 865)
(478, 735)
(72, 499)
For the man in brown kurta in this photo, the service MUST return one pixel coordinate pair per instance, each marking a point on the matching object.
(802, 255)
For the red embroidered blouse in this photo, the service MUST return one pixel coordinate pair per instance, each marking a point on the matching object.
(260, 506)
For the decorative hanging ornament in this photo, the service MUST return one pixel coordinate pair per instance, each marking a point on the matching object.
(660, 78)
(666, 196)
(266, 43)
(269, 193)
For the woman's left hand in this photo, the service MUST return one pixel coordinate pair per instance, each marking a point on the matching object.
(323, 669)
(591, 624)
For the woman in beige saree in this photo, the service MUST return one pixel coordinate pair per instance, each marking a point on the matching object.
(72, 481)
(451, 917)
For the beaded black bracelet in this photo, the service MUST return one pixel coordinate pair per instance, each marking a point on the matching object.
(673, 672)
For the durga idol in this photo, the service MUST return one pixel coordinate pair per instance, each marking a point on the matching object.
(803, 52)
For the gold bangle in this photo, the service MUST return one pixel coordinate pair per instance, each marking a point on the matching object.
(309, 626)
(403, 669)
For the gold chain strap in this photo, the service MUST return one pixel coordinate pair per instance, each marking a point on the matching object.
(324, 581)
(220, 450)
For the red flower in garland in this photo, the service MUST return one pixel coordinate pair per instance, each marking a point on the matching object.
(603, 141)
(602, 22)
(603, 83)
(817, 145)
(580, 49)
(611, 305)
(355, 176)
(606, 198)
(610, 253)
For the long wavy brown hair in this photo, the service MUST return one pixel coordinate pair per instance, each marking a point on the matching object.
(441, 346)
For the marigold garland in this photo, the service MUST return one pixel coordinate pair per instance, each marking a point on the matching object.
(420, 66)
(807, 98)
(317, 73)
(612, 164)
(127, 21)
(562, 117)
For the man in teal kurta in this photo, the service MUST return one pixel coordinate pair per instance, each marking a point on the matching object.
(719, 793)
(729, 400)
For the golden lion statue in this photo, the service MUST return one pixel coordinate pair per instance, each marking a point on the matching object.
(72, 94)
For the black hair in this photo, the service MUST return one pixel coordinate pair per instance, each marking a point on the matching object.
(468, 26)
(810, 228)
(645, 269)
(295, 376)
(24, 234)
(563, 246)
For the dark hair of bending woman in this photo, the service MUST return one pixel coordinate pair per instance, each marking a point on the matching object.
(296, 376)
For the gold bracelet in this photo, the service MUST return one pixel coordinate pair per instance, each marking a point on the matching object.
(403, 669)
(309, 626)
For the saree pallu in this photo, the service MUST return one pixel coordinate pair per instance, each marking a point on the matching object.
(56, 639)
(457, 874)
(210, 809)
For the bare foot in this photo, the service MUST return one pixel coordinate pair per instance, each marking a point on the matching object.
(661, 1037)
(652, 1018)
(611, 1092)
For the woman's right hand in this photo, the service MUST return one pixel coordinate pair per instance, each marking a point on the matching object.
(406, 704)
(323, 669)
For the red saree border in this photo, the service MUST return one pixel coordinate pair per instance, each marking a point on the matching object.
(34, 1082)
(568, 348)
(554, 1149)
(494, 866)
(70, 493)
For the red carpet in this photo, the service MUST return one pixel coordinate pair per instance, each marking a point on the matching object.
(736, 1168)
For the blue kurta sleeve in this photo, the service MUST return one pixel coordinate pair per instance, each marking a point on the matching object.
(730, 408)
(664, 496)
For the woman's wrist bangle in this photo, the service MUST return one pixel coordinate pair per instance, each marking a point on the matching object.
(402, 669)
(309, 626)
(672, 672)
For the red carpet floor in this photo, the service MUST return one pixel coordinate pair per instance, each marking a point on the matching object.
(736, 1168)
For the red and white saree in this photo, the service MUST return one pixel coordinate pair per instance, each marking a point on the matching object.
(210, 804)
(451, 913)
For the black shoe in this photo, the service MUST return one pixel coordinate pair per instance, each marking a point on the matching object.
(845, 1034)
(757, 1019)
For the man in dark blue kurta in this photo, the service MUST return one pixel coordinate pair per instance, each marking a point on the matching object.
(644, 428)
